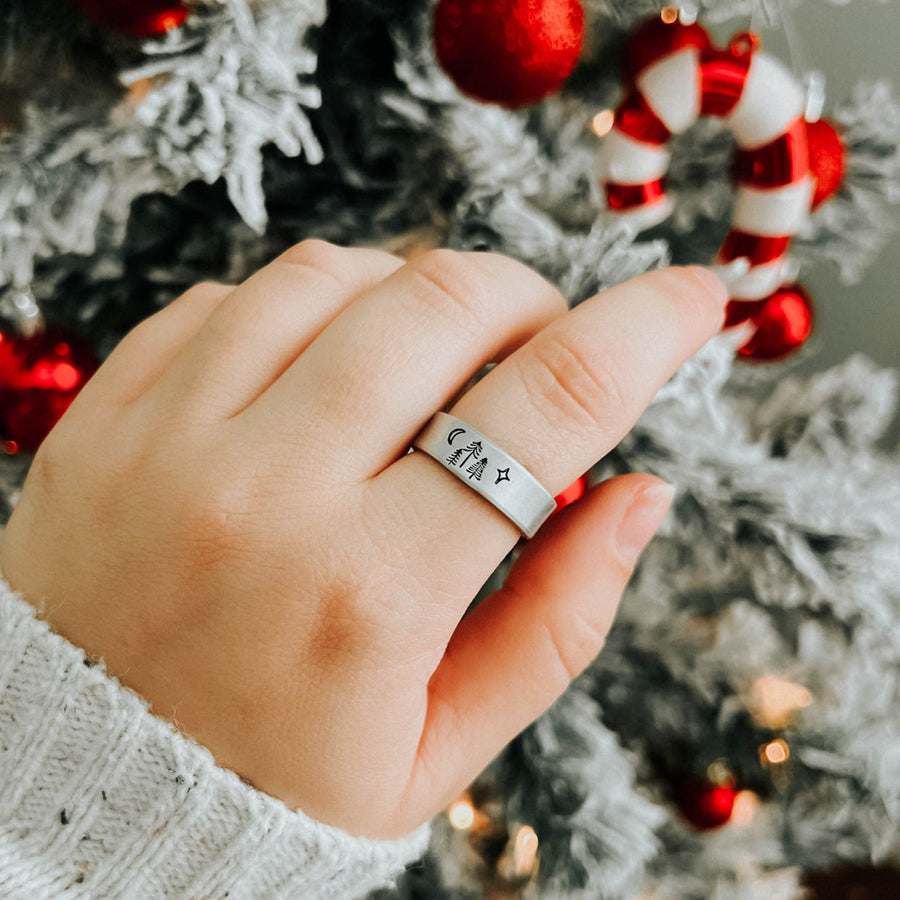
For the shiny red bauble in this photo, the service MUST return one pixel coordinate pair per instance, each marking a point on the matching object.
(827, 159)
(510, 52)
(703, 804)
(575, 491)
(39, 377)
(738, 311)
(783, 323)
(136, 18)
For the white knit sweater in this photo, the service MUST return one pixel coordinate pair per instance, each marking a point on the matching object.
(99, 798)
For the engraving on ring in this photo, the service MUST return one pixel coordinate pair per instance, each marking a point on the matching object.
(461, 455)
(453, 434)
(502, 475)
(477, 469)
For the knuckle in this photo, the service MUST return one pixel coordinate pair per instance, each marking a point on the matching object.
(570, 646)
(452, 286)
(142, 331)
(319, 256)
(205, 294)
(312, 250)
(206, 287)
(568, 388)
(202, 292)
(340, 262)
(677, 290)
(506, 269)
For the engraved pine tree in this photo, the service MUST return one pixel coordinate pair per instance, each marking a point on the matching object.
(477, 469)
(473, 449)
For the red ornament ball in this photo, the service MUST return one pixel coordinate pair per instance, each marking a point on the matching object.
(575, 491)
(703, 804)
(827, 159)
(738, 311)
(39, 377)
(136, 18)
(510, 52)
(783, 323)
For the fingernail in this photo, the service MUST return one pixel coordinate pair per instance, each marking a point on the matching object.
(712, 282)
(642, 518)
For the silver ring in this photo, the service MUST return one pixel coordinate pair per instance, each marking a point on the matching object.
(478, 462)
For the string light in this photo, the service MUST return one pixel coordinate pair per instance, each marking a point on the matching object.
(815, 96)
(138, 91)
(775, 752)
(525, 850)
(773, 701)
(25, 311)
(520, 860)
(688, 14)
(746, 804)
(464, 815)
(461, 814)
(602, 123)
(65, 376)
(718, 773)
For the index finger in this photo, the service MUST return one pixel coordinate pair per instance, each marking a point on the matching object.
(557, 404)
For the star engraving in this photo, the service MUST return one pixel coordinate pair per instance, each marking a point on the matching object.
(502, 475)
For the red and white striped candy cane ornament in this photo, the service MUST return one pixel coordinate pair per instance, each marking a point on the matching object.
(674, 75)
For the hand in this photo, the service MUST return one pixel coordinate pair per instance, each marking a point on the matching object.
(227, 514)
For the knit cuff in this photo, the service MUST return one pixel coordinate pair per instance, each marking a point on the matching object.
(99, 797)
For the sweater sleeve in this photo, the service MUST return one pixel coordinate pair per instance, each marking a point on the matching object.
(99, 797)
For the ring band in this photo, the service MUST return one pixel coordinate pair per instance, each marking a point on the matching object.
(478, 462)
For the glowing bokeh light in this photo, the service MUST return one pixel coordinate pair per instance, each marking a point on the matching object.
(461, 814)
(746, 803)
(718, 773)
(525, 850)
(774, 700)
(65, 376)
(776, 752)
(602, 123)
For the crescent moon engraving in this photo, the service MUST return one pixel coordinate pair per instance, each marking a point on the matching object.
(454, 433)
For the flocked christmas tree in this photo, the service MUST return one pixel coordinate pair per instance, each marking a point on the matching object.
(738, 735)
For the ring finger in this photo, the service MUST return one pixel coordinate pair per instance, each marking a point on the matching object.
(557, 405)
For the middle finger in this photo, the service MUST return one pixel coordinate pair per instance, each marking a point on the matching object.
(403, 349)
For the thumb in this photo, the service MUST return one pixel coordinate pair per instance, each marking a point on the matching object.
(512, 657)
